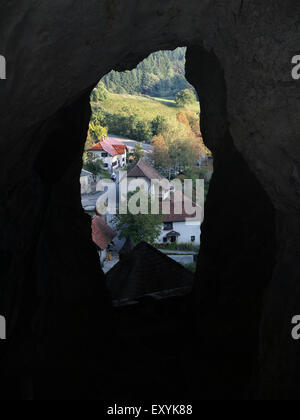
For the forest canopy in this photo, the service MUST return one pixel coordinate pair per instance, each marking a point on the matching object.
(162, 75)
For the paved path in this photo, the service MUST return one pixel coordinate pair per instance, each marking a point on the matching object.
(132, 143)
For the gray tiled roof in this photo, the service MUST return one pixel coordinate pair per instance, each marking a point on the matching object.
(146, 270)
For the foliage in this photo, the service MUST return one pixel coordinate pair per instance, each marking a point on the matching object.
(96, 131)
(93, 165)
(143, 131)
(182, 153)
(139, 227)
(158, 125)
(161, 74)
(194, 121)
(174, 154)
(140, 118)
(90, 142)
(161, 153)
(138, 152)
(183, 119)
(100, 93)
(185, 97)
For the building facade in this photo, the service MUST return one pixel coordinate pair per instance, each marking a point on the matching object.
(178, 226)
(111, 152)
(180, 233)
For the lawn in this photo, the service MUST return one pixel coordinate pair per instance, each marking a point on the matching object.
(146, 108)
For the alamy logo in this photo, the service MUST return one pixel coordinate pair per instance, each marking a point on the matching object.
(2, 67)
(2, 328)
(296, 68)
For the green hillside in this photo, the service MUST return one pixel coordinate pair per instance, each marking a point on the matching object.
(162, 74)
(147, 100)
(142, 107)
(136, 116)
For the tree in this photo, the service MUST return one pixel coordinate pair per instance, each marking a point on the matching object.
(89, 142)
(99, 116)
(97, 131)
(161, 153)
(138, 152)
(93, 164)
(161, 74)
(185, 97)
(158, 125)
(183, 119)
(194, 120)
(139, 227)
(183, 154)
(99, 93)
(143, 131)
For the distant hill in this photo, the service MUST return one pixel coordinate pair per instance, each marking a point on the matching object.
(161, 75)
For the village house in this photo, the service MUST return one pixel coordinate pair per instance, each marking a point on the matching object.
(111, 152)
(179, 228)
(182, 228)
(103, 236)
(143, 171)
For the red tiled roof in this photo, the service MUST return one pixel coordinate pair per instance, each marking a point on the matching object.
(97, 146)
(120, 149)
(110, 146)
(172, 216)
(103, 234)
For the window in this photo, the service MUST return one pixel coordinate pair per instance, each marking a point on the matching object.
(115, 164)
(173, 239)
(165, 240)
(193, 238)
(104, 155)
(105, 165)
(168, 226)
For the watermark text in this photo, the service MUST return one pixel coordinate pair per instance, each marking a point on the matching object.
(2, 68)
(296, 67)
(2, 328)
(131, 196)
(154, 410)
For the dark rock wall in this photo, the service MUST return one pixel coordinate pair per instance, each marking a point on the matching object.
(53, 282)
(56, 51)
(237, 252)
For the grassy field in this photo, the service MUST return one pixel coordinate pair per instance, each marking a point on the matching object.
(146, 108)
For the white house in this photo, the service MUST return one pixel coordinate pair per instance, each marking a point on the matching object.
(111, 152)
(178, 225)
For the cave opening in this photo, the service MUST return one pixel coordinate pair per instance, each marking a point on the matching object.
(71, 315)
(145, 127)
(236, 234)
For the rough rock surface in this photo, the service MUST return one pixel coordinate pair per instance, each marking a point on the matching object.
(56, 52)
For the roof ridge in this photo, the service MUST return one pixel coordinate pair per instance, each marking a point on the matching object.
(158, 252)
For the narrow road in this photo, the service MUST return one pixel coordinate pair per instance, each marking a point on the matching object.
(132, 143)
